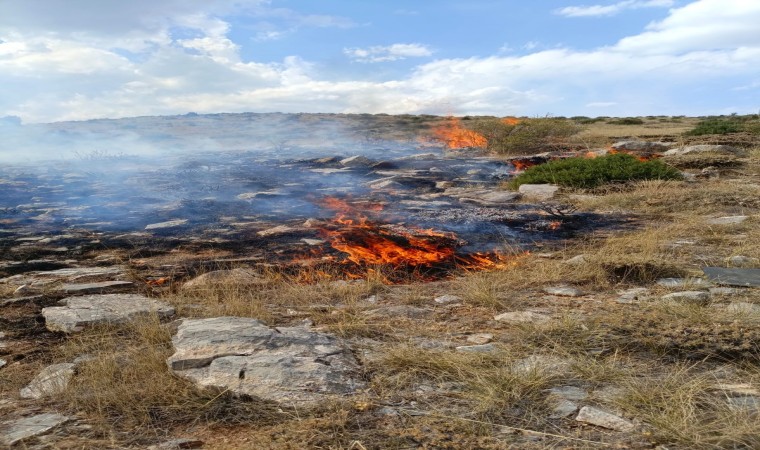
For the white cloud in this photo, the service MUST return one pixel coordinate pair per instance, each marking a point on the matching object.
(57, 73)
(393, 52)
(611, 10)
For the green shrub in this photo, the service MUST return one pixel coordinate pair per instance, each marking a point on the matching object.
(715, 126)
(627, 121)
(529, 135)
(588, 173)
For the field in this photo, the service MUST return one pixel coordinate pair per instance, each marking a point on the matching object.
(574, 343)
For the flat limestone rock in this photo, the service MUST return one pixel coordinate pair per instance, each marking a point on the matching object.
(27, 427)
(522, 317)
(88, 310)
(52, 380)
(727, 220)
(695, 297)
(733, 276)
(563, 291)
(102, 287)
(167, 224)
(538, 192)
(293, 366)
(604, 419)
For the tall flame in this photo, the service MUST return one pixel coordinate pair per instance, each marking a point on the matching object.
(454, 135)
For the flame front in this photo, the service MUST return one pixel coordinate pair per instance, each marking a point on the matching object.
(454, 135)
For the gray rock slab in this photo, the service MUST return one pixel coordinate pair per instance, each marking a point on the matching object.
(293, 366)
(562, 408)
(538, 192)
(27, 427)
(482, 348)
(696, 297)
(103, 287)
(88, 310)
(52, 380)
(563, 291)
(168, 224)
(604, 419)
(447, 299)
(733, 276)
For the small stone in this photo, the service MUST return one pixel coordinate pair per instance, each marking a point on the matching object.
(632, 295)
(18, 430)
(447, 298)
(484, 348)
(683, 282)
(52, 380)
(563, 291)
(167, 224)
(480, 338)
(568, 393)
(576, 260)
(3, 363)
(538, 192)
(522, 317)
(562, 408)
(696, 297)
(743, 261)
(604, 419)
(727, 220)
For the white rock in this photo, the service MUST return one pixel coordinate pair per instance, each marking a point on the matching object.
(447, 298)
(480, 338)
(563, 291)
(80, 312)
(294, 366)
(52, 380)
(697, 297)
(538, 192)
(167, 224)
(522, 317)
(600, 418)
(18, 430)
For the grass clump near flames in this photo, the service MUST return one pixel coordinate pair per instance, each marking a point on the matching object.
(510, 136)
(594, 172)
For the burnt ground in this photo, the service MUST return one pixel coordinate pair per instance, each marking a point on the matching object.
(157, 222)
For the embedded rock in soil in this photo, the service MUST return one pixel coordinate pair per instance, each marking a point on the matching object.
(52, 380)
(293, 365)
(595, 416)
(727, 220)
(88, 310)
(563, 291)
(522, 317)
(733, 277)
(696, 297)
(103, 287)
(27, 427)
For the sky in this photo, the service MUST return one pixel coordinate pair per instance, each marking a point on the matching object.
(84, 59)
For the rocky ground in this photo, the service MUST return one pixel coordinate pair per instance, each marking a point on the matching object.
(625, 317)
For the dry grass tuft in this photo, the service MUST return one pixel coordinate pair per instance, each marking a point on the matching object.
(683, 411)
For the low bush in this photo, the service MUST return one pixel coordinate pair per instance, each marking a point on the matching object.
(524, 136)
(716, 126)
(592, 172)
(627, 121)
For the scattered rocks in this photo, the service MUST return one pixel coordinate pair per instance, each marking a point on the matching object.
(52, 380)
(538, 192)
(696, 297)
(164, 225)
(522, 317)
(727, 220)
(563, 291)
(293, 366)
(27, 427)
(80, 312)
(604, 419)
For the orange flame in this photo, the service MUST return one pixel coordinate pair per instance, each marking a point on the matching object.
(510, 120)
(454, 135)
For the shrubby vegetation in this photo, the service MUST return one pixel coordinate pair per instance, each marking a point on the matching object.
(627, 121)
(526, 135)
(592, 172)
(727, 124)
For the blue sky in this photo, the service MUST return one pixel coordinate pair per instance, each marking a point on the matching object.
(82, 59)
